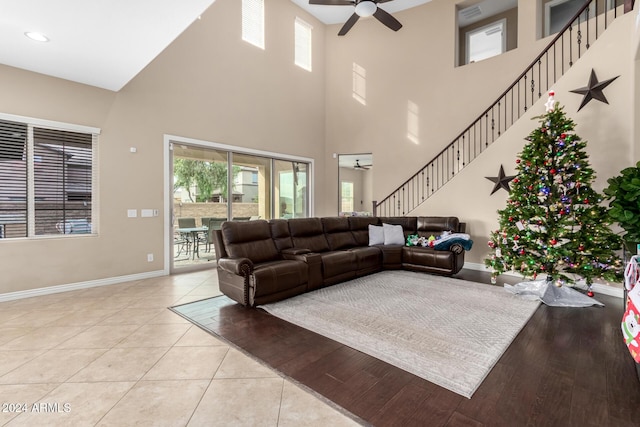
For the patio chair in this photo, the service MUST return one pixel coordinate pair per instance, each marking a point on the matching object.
(213, 223)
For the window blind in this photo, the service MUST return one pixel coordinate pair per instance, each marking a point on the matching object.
(47, 177)
(13, 179)
(62, 172)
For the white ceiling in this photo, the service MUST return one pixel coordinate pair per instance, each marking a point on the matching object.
(102, 43)
(105, 43)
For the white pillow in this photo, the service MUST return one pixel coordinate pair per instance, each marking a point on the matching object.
(393, 234)
(376, 235)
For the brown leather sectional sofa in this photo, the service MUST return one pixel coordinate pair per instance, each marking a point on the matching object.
(265, 261)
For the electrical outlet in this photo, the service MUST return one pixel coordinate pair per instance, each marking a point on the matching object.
(150, 257)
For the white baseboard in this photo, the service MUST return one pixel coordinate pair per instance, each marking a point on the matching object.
(598, 288)
(10, 296)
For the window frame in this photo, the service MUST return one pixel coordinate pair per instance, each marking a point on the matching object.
(348, 199)
(30, 159)
(503, 45)
(548, 6)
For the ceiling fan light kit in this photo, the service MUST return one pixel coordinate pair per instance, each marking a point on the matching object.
(363, 8)
(366, 8)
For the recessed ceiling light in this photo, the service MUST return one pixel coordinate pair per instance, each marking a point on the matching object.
(39, 37)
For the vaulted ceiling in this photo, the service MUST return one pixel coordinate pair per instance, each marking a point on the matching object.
(105, 43)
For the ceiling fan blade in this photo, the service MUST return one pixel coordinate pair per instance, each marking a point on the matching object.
(332, 2)
(347, 25)
(388, 20)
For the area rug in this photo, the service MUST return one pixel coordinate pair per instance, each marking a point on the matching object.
(447, 331)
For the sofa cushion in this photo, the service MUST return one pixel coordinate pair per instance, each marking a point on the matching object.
(277, 276)
(359, 226)
(338, 263)
(338, 233)
(376, 235)
(409, 223)
(368, 258)
(393, 234)
(250, 239)
(418, 255)
(280, 234)
(307, 233)
(428, 225)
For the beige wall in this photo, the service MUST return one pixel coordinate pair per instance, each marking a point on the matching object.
(449, 98)
(212, 86)
(208, 85)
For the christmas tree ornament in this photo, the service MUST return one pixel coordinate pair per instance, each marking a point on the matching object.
(551, 102)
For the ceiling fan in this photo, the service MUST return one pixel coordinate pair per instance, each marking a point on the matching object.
(364, 8)
(358, 166)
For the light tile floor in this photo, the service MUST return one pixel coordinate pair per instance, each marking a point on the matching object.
(116, 356)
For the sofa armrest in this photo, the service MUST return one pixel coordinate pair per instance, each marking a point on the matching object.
(239, 266)
(313, 261)
(462, 227)
(456, 248)
(292, 252)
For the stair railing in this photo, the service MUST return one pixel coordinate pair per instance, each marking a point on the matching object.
(560, 54)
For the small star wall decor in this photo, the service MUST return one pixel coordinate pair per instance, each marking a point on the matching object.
(593, 90)
(500, 181)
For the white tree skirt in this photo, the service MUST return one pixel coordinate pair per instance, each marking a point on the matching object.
(550, 294)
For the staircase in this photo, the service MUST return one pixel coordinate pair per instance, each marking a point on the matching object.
(566, 47)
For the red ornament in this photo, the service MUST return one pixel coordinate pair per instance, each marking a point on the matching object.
(516, 180)
(590, 293)
(510, 219)
(553, 242)
(530, 187)
(518, 161)
(563, 135)
(516, 237)
(581, 248)
(553, 171)
(521, 252)
(586, 201)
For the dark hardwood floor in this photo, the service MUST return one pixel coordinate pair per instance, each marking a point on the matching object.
(567, 367)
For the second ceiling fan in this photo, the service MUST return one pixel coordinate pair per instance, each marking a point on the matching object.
(364, 8)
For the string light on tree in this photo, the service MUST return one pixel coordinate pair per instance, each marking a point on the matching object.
(554, 223)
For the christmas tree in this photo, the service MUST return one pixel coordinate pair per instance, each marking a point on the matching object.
(554, 223)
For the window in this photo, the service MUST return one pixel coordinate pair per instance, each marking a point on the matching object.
(47, 177)
(346, 204)
(487, 41)
(303, 44)
(253, 22)
(559, 12)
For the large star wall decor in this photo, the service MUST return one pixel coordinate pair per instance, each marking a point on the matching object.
(500, 181)
(593, 90)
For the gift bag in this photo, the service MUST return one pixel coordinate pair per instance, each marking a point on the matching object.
(631, 318)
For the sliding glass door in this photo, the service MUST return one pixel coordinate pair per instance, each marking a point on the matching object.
(213, 184)
(290, 189)
(251, 187)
